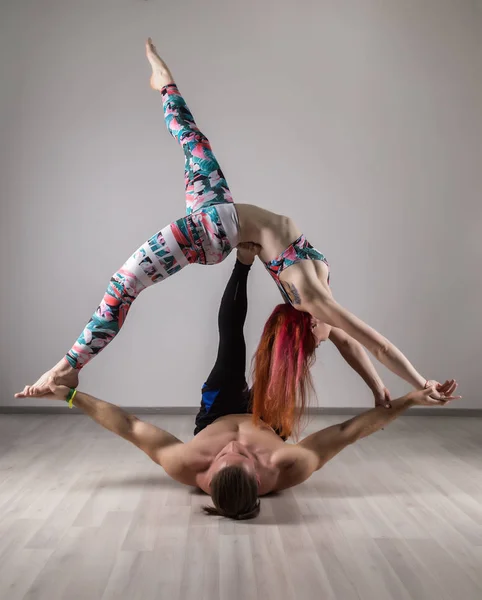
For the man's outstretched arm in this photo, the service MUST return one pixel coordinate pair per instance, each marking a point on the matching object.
(149, 438)
(318, 448)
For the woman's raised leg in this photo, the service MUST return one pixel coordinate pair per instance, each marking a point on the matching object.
(157, 259)
(204, 180)
(166, 252)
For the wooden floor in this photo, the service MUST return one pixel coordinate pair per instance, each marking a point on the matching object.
(83, 515)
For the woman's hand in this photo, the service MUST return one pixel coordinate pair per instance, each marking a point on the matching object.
(56, 392)
(426, 397)
(382, 397)
(442, 391)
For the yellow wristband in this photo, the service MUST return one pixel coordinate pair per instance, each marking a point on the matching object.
(70, 397)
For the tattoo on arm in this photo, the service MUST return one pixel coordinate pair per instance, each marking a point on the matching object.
(293, 294)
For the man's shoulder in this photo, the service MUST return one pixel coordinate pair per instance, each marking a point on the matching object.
(181, 463)
(190, 455)
(290, 454)
(295, 463)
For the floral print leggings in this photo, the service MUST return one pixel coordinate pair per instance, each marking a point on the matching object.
(205, 236)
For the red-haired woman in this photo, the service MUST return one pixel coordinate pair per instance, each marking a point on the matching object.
(213, 226)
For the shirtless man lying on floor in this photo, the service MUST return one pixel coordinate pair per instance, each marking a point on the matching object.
(231, 458)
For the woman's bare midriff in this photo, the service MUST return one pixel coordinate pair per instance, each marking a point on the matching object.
(275, 233)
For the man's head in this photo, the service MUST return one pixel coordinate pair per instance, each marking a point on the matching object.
(234, 483)
(235, 494)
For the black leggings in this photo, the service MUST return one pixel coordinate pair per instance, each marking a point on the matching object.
(226, 390)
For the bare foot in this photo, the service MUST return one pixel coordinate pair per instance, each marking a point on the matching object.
(57, 392)
(161, 75)
(61, 374)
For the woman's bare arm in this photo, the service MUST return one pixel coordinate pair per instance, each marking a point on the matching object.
(387, 353)
(315, 297)
(355, 355)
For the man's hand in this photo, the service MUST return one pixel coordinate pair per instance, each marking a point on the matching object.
(247, 252)
(425, 397)
(55, 392)
(382, 397)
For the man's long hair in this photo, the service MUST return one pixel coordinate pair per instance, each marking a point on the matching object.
(234, 493)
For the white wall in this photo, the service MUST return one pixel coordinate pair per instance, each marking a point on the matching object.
(360, 119)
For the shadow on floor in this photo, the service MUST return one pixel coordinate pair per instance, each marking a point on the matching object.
(332, 490)
(276, 508)
(140, 482)
(327, 489)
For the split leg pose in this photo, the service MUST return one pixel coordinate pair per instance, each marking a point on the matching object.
(212, 228)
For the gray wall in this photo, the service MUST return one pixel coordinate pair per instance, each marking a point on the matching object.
(360, 119)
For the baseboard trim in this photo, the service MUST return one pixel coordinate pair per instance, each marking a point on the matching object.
(63, 409)
(192, 410)
(413, 412)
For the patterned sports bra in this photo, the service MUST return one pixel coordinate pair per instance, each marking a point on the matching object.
(299, 250)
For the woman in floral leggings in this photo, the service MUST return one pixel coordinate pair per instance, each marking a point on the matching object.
(206, 235)
(212, 228)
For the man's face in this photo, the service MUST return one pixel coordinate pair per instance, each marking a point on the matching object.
(234, 454)
(237, 454)
(320, 330)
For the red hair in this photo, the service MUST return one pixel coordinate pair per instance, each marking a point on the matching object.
(281, 370)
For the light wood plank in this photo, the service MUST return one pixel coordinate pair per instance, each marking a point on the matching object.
(86, 515)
